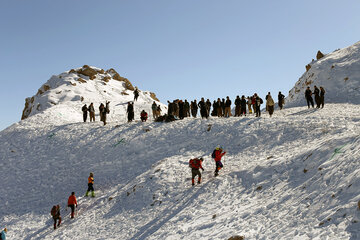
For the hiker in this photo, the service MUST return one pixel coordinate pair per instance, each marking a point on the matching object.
(258, 102)
(186, 108)
(243, 106)
(90, 186)
(317, 96)
(158, 110)
(181, 109)
(208, 107)
(84, 110)
(281, 99)
(270, 104)
(195, 165)
(219, 111)
(227, 107)
(143, 116)
(55, 213)
(92, 112)
(170, 108)
(130, 111)
(103, 112)
(194, 108)
(249, 104)
(214, 112)
(237, 106)
(153, 108)
(202, 106)
(72, 203)
(308, 97)
(322, 96)
(217, 155)
(136, 94)
(3, 234)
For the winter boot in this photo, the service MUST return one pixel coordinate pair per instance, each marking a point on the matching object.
(199, 180)
(193, 181)
(59, 222)
(54, 226)
(87, 194)
(92, 194)
(72, 215)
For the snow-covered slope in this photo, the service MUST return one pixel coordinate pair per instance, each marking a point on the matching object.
(293, 176)
(66, 93)
(338, 72)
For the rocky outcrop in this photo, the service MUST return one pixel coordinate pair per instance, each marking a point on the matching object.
(87, 71)
(116, 76)
(319, 55)
(308, 67)
(153, 96)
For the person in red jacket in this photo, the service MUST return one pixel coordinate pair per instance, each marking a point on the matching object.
(195, 165)
(72, 203)
(143, 116)
(218, 155)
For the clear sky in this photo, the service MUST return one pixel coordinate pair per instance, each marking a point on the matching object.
(184, 49)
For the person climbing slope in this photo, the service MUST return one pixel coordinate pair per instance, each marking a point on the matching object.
(217, 155)
(195, 164)
(72, 203)
(90, 186)
(55, 213)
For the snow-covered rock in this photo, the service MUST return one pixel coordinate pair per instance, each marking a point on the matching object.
(67, 92)
(337, 72)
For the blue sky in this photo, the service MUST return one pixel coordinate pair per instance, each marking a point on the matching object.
(184, 49)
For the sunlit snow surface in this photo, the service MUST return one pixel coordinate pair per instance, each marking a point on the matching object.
(293, 176)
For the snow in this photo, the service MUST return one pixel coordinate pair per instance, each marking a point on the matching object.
(338, 72)
(263, 192)
(295, 175)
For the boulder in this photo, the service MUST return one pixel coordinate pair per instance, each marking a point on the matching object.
(319, 55)
(87, 71)
(153, 96)
(237, 238)
(308, 67)
(81, 80)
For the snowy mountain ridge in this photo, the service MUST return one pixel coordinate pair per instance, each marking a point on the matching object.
(69, 91)
(338, 72)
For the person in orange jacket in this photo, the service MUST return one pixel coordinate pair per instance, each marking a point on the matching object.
(218, 154)
(72, 203)
(90, 186)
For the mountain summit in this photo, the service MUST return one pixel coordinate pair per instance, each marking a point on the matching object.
(67, 92)
(338, 72)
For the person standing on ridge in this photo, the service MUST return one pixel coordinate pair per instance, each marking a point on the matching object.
(243, 106)
(136, 94)
(194, 108)
(308, 97)
(317, 96)
(217, 155)
(270, 104)
(92, 112)
(55, 213)
(90, 186)
(227, 107)
(72, 203)
(237, 106)
(203, 111)
(281, 99)
(84, 110)
(130, 111)
(196, 164)
(322, 96)
(3, 234)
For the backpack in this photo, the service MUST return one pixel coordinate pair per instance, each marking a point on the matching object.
(261, 101)
(194, 163)
(53, 211)
(213, 153)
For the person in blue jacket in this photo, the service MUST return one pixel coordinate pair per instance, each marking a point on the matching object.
(3, 234)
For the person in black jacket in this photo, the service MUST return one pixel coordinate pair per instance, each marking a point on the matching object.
(243, 104)
(322, 96)
(208, 107)
(317, 96)
(202, 106)
(84, 110)
(181, 109)
(308, 97)
(130, 111)
(227, 107)
(281, 98)
(136, 94)
(237, 106)
(194, 108)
